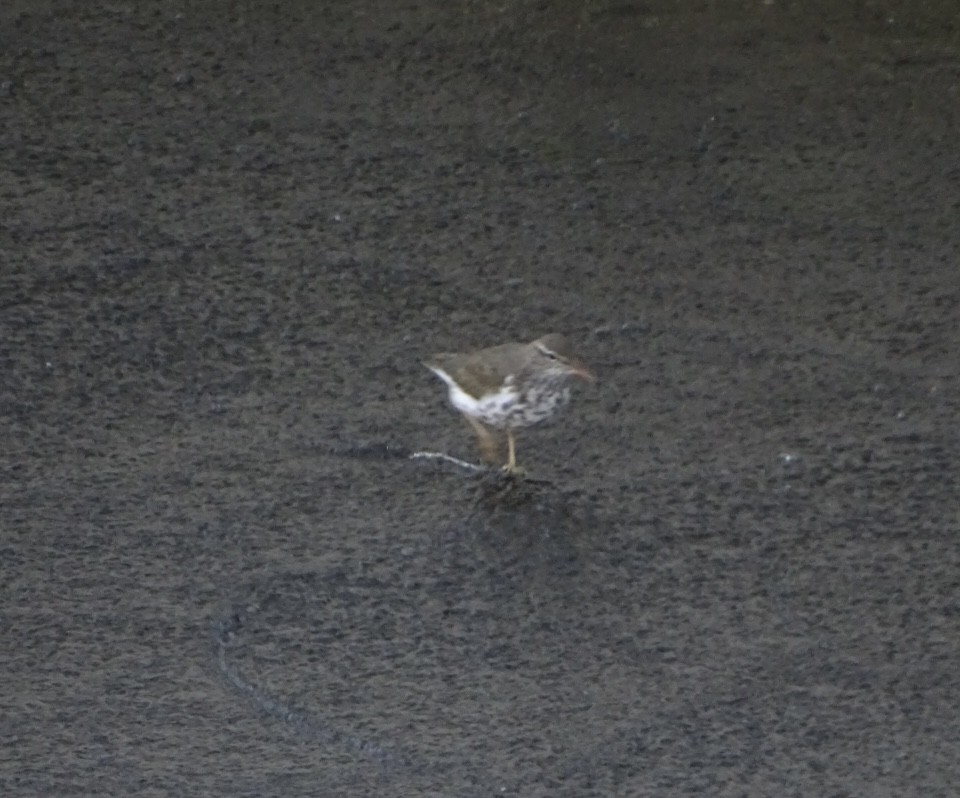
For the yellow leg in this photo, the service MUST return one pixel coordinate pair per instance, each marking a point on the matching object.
(511, 452)
(489, 450)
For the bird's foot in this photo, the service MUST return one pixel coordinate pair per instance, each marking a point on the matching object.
(513, 471)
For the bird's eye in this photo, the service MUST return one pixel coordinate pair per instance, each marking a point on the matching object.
(547, 353)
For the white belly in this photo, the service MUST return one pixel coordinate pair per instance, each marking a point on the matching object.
(494, 410)
(507, 408)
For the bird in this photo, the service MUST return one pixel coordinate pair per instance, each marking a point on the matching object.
(509, 387)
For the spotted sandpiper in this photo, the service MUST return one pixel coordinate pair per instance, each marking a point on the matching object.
(508, 387)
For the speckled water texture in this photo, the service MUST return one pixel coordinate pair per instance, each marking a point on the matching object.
(230, 232)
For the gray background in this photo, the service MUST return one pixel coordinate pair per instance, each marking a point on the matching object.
(230, 231)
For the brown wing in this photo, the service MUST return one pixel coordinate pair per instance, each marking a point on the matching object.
(479, 372)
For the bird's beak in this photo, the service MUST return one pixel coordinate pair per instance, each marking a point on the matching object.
(577, 369)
